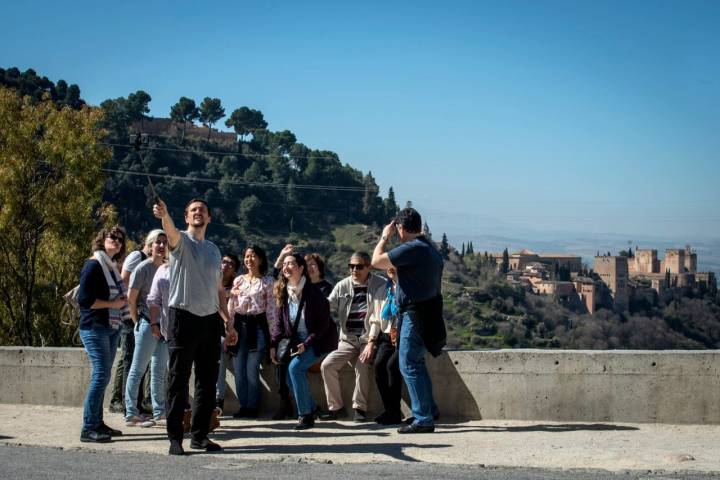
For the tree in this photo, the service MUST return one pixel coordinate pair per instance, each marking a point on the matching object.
(462, 252)
(138, 106)
(505, 265)
(211, 111)
(50, 180)
(184, 111)
(444, 247)
(372, 205)
(426, 231)
(115, 117)
(390, 206)
(245, 121)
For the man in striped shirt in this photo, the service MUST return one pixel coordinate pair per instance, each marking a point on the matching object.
(356, 300)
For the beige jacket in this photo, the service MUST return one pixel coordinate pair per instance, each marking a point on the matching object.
(341, 300)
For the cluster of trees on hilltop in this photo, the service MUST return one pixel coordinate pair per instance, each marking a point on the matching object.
(269, 184)
(30, 84)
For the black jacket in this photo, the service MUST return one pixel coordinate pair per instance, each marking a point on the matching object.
(428, 316)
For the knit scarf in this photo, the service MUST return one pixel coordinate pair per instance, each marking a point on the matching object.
(116, 287)
(296, 292)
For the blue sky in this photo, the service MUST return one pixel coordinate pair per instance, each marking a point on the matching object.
(514, 118)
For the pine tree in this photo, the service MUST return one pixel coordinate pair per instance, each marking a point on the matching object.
(462, 252)
(426, 231)
(390, 206)
(505, 265)
(444, 247)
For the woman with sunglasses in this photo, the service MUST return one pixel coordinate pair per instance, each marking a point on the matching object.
(103, 307)
(301, 303)
(253, 305)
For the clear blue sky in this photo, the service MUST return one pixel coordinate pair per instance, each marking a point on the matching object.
(492, 117)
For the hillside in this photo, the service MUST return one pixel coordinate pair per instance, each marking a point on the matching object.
(482, 310)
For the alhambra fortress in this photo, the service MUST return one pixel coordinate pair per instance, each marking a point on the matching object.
(613, 281)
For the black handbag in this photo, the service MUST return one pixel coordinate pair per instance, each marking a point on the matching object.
(285, 344)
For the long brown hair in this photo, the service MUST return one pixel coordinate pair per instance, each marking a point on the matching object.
(280, 288)
(98, 242)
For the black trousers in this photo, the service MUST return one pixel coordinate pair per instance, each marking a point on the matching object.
(387, 374)
(192, 340)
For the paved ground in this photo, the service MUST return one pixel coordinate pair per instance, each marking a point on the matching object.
(40, 463)
(609, 450)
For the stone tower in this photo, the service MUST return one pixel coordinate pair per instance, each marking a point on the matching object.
(614, 273)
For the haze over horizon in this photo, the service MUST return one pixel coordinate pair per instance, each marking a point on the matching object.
(548, 121)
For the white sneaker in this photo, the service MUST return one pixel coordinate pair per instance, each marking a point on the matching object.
(160, 421)
(137, 421)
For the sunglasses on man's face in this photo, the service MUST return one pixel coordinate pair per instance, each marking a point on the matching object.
(356, 266)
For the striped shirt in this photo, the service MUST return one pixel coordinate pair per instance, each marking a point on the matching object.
(358, 311)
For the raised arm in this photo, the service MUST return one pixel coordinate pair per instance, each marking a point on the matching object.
(380, 258)
(173, 234)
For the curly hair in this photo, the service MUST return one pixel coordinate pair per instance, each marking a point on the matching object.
(280, 288)
(98, 242)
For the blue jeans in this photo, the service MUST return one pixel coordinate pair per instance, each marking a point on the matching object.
(298, 382)
(247, 369)
(412, 366)
(221, 385)
(101, 346)
(147, 348)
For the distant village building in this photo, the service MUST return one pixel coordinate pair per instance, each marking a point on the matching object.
(165, 126)
(587, 291)
(535, 278)
(677, 269)
(614, 272)
(523, 258)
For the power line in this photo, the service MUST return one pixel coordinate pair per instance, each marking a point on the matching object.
(338, 188)
(211, 152)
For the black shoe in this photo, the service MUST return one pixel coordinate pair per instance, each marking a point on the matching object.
(411, 420)
(116, 407)
(242, 413)
(333, 414)
(251, 413)
(176, 448)
(205, 444)
(415, 428)
(94, 436)
(386, 418)
(285, 410)
(102, 428)
(360, 416)
(305, 422)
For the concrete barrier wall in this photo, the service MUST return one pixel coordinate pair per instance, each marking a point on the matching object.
(555, 385)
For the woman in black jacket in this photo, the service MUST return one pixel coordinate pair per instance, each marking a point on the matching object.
(314, 337)
(103, 306)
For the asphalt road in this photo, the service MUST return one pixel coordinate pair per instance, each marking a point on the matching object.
(35, 463)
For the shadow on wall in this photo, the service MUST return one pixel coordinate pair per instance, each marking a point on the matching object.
(450, 390)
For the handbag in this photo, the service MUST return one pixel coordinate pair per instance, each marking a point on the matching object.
(285, 344)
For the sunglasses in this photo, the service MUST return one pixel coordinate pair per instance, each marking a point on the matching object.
(117, 238)
(356, 266)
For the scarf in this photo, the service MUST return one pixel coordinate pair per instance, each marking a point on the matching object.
(390, 308)
(116, 287)
(295, 293)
